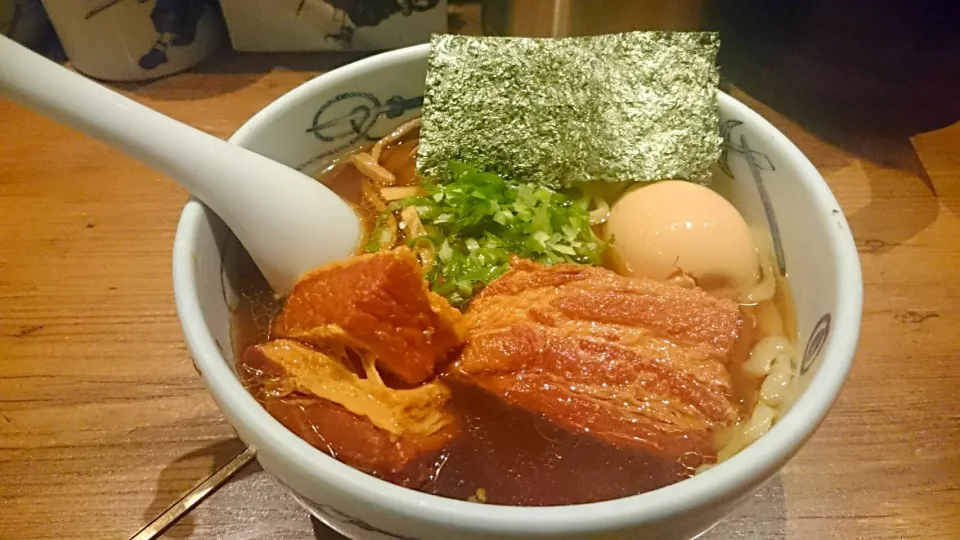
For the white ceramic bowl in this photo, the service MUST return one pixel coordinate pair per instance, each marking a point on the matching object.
(365, 100)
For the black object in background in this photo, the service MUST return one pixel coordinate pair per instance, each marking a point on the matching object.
(882, 66)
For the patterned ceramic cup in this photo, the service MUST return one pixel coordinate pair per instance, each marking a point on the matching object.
(772, 184)
(135, 40)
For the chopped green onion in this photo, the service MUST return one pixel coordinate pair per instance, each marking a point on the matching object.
(483, 219)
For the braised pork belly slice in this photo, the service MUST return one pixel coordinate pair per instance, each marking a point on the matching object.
(379, 304)
(631, 362)
(394, 434)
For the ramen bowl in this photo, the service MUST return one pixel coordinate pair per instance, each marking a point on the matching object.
(767, 178)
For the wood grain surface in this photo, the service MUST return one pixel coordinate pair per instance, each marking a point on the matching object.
(104, 422)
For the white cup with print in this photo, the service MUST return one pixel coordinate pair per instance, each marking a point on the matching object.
(134, 40)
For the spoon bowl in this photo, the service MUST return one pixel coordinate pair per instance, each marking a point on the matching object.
(287, 221)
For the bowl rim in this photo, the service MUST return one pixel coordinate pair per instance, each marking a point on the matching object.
(731, 479)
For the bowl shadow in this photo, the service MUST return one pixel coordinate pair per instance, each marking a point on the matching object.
(322, 532)
(762, 516)
(903, 199)
(227, 71)
(170, 486)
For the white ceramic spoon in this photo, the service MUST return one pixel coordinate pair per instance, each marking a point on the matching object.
(289, 222)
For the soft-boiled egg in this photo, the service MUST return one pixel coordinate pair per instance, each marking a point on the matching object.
(685, 233)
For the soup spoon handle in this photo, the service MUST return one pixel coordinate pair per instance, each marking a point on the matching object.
(288, 222)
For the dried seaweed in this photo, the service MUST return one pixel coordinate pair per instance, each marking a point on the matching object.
(624, 107)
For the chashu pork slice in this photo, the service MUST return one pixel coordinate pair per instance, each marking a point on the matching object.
(379, 304)
(348, 412)
(633, 362)
(341, 327)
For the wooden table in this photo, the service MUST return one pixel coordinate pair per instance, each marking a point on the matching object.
(104, 423)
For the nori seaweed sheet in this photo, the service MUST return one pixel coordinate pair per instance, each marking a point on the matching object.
(637, 106)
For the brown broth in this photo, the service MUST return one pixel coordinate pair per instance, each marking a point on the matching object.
(400, 159)
(256, 305)
(346, 181)
(515, 457)
(520, 458)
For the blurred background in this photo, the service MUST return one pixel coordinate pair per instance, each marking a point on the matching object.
(836, 68)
